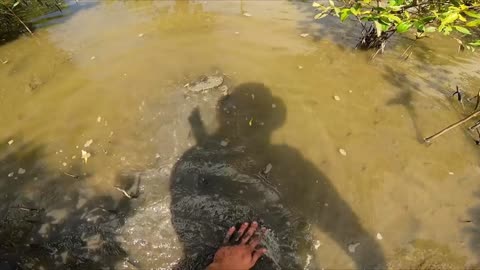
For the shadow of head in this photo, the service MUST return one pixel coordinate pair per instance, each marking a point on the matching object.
(250, 111)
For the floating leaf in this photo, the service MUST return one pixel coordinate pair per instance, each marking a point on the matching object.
(250, 123)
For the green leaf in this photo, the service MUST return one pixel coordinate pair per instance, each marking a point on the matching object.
(394, 18)
(450, 18)
(473, 23)
(462, 30)
(403, 27)
(472, 14)
(378, 26)
(331, 3)
(16, 3)
(354, 11)
(476, 43)
(344, 14)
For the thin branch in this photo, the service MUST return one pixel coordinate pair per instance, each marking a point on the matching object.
(20, 20)
(450, 127)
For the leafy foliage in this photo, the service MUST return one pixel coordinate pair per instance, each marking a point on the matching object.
(423, 16)
(15, 15)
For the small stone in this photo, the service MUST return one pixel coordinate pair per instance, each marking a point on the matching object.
(21, 170)
(246, 14)
(140, 35)
(342, 152)
(268, 168)
(224, 143)
(88, 143)
(304, 35)
(92, 58)
(99, 119)
(317, 244)
(10, 142)
(274, 106)
(352, 247)
(11, 174)
(379, 236)
(337, 98)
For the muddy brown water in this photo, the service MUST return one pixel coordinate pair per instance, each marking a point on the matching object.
(114, 73)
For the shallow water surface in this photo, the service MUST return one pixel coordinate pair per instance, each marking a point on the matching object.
(351, 185)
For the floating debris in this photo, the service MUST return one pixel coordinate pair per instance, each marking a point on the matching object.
(236, 33)
(342, 152)
(304, 35)
(10, 142)
(246, 14)
(451, 173)
(11, 174)
(122, 158)
(350, 91)
(223, 89)
(85, 156)
(205, 83)
(268, 168)
(157, 155)
(64, 164)
(250, 123)
(224, 143)
(74, 157)
(337, 98)
(317, 244)
(140, 35)
(88, 143)
(379, 236)
(352, 247)
(99, 119)
(21, 171)
(274, 106)
(300, 67)
(92, 58)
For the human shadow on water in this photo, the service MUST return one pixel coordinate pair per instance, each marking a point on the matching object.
(236, 175)
(51, 219)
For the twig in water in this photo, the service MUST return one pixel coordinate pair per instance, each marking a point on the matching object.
(124, 192)
(71, 175)
(450, 127)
